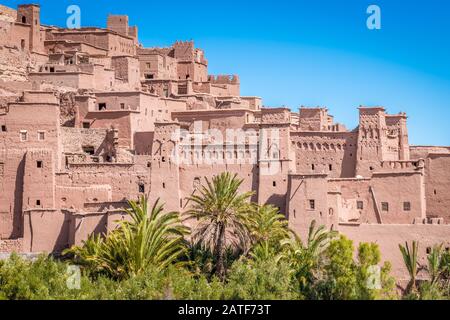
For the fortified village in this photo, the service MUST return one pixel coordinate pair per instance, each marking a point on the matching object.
(89, 119)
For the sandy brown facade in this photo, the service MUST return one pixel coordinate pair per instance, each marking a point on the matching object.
(89, 119)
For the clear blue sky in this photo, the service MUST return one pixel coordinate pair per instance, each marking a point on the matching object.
(305, 52)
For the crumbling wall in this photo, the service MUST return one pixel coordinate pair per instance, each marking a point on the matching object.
(13, 64)
(68, 109)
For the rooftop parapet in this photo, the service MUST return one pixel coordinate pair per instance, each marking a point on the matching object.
(223, 79)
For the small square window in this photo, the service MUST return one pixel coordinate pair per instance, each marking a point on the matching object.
(90, 150)
(312, 204)
(360, 205)
(38, 202)
(330, 167)
(86, 125)
(4, 129)
(41, 135)
(122, 106)
(274, 183)
(102, 106)
(141, 188)
(39, 164)
(406, 206)
(385, 206)
(23, 135)
(313, 167)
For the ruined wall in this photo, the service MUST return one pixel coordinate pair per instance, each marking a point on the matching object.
(127, 68)
(421, 152)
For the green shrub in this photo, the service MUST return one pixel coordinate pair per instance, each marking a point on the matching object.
(261, 280)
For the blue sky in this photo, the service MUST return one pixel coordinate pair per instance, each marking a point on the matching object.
(305, 52)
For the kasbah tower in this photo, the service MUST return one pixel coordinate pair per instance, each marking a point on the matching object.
(90, 119)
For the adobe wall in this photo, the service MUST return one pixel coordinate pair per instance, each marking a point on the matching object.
(76, 80)
(114, 100)
(74, 139)
(437, 183)
(7, 13)
(46, 230)
(127, 68)
(82, 226)
(10, 246)
(307, 201)
(118, 23)
(120, 120)
(96, 39)
(104, 79)
(421, 152)
(389, 236)
(39, 179)
(313, 119)
(12, 165)
(72, 197)
(120, 46)
(20, 121)
(123, 178)
(55, 46)
(325, 152)
(157, 66)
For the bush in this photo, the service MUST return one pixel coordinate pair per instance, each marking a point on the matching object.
(260, 280)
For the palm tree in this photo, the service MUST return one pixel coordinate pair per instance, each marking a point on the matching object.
(434, 264)
(411, 263)
(267, 225)
(318, 239)
(221, 212)
(155, 240)
(306, 258)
